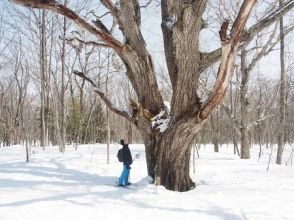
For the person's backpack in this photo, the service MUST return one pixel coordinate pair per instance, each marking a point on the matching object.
(120, 155)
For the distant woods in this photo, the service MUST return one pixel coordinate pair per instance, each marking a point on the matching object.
(43, 103)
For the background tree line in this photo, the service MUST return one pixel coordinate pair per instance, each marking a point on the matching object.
(42, 103)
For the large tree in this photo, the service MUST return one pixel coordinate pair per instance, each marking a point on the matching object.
(168, 134)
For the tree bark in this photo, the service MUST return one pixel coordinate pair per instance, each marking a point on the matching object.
(245, 149)
(108, 124)
(62, 92)
(173, 155)
(215, 131)
(281, 130)
(43, 72)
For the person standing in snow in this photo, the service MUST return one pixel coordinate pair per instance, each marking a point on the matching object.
(127, 161)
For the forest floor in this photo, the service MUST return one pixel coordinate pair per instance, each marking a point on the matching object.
(77, 185)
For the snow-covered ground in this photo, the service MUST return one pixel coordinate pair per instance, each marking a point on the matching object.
(77, 185)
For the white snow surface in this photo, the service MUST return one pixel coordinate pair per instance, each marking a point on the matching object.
(77, 185)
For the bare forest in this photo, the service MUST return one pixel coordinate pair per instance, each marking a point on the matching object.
(169, 74)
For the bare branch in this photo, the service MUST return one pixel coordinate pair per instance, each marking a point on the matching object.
(263, 51)
(61, 9)
(209, 59)
(146, 5)
(229, 51)
(259, 121)
(227, 109)
(214, 56)
(130, 11)
(72, 42)
(268, 47)
(105, 99)
(114, 11)
(267, 21)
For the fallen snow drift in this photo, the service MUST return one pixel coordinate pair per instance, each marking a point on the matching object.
(77, 185)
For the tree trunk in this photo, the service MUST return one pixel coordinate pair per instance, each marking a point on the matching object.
(233, 112)
(129, 131)
(215, 131)
(43, 69)
(168, 155)
(151, 142)
(245, 148)
(282, 94)
(108, 126)
(62, 95)
(44, 84)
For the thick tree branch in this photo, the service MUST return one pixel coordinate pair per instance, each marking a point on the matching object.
(214, 56)
(229, 51)
(130, 11)
(55, 6)
(181, 24)
(105, 99)
(138, 62)
(114, 11)
(208, 59)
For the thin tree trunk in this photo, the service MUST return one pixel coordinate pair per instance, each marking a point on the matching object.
(44, 84)
(215, 131)
(233, 132)
(245, 148)
(129, 131)
(43, 69)
(281, 130)
(62, 95)
(108, 124)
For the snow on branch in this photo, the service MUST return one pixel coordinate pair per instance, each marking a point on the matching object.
(170, 22)
(161, 121)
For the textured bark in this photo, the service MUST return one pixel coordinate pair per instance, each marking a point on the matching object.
(173, 155)
(181, 25)
(245, 150)
(44, 84)
(281, 132)
(215, 131)
(62, 95)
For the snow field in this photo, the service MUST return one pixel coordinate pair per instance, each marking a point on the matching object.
(77, 185)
